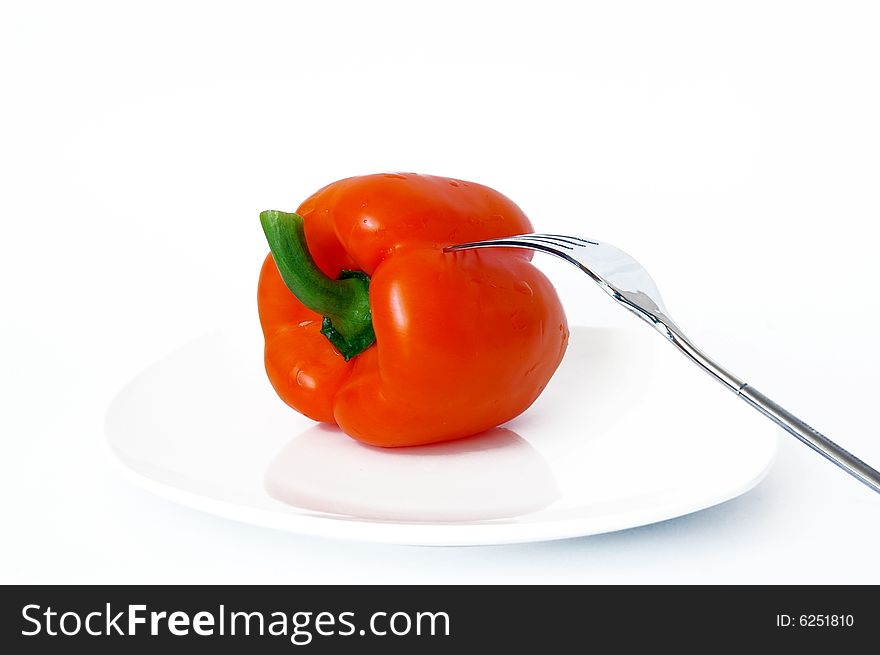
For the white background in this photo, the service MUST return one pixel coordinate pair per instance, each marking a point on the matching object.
(731, 147)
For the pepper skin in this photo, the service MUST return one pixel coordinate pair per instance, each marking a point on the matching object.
(464, 341)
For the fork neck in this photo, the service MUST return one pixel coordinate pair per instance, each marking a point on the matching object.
(672, 332)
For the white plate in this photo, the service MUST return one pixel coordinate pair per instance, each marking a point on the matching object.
(627, 433)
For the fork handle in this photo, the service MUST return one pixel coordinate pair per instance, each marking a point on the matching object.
(812, 437)
(779, 415)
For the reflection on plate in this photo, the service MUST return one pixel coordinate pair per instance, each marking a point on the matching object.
(627, 433)
(325, 470)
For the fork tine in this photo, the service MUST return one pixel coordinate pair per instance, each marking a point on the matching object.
(546, 243)
(515, 241)
(540, 239)
(556, 241)
(576, 241)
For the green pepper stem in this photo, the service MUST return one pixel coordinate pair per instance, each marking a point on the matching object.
(344, 303)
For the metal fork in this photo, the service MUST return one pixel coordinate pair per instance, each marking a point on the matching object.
(625, 280)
